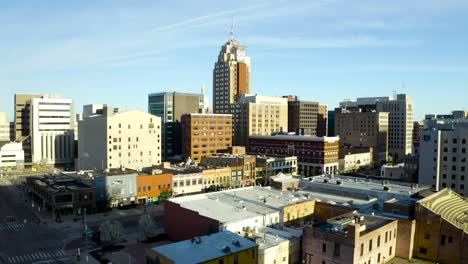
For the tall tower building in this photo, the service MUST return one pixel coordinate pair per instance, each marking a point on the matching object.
(231, 76)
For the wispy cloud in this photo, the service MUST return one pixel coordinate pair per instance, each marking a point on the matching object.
(324, 43)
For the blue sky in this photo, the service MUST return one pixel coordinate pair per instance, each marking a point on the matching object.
(116, 52)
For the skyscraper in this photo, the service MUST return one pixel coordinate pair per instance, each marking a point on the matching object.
(170, 106)
(231, 76)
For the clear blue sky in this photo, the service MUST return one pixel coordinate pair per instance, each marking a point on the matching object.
(116, 52)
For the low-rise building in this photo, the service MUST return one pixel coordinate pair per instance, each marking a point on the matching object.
(223, 247)
(216, 178)
(268, 166)
(242, 167)
(442, 228)
(368, 195)
(277, 246)
(11, 154)
(285, 182)
(62, 194)
(115, 187)
(315, 155)
(396, 172)
(154, 187)
(353, 162)
(351, 238)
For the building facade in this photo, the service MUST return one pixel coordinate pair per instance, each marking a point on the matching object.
(400, 120)
(268, 166)
(130, 139)
(443, 154)
(217, 178)
(258, 115)
(315, 155)
(153, 188)
(355, 161)
(205, 134)
(11, 154)
(170, 106)
(51, 130)
(231, 76)
(303, 115)
(115, 187)
(363, 129)
(242, 167)
(351, 238)
(4, 128)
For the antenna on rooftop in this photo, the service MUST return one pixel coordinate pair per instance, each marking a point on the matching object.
(232, 28)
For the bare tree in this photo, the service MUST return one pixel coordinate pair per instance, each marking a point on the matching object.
(148, 225)
(112, 232)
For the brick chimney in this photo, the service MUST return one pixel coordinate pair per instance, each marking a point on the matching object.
(353, 230)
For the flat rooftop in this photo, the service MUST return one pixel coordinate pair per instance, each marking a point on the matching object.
(206, 248)
(60, 183)
(297, 138)
(339, 224)
(363, 185)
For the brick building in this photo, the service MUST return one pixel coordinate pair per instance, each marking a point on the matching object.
(314, 154)
(153, 188)
(205, 134)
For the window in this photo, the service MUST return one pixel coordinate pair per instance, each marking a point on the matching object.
(221, 261)
(423, 251)
(336, 252)
(378, 258)
(324, 247)
(450, 239)
(362, 250)
(378, 241)
(370, 245)
(390, 251)
(442, 240)
(236, 259)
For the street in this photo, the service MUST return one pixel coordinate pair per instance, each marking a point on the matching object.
(23, 240)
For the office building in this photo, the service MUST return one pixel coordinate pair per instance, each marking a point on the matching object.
(242, 166)
(4, 127)
(11, 154)
(305, 115)
(22, 113)
(205, 134)
(400, 120)
(130, 139)
(224, 247)
(231, 76)
(351, 238)
(51, 130)
(363, 130)
(258, 115)
(322, 121)
(170, 106)
(331, 123)
(443, 154)
(417, 127)
(315, 155)
(442, 228)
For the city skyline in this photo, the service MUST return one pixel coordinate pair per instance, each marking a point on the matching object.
(309, 49)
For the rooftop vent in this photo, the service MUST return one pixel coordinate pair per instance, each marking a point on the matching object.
(339, 182)
(227, 249)
(386, 188)
(236, 243)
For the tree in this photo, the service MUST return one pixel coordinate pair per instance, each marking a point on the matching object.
(111, 232)
(148, 226)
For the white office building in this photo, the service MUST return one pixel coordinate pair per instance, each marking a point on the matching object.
(51, 130)
(11, 154)
(110, 139)
(4, 127)
(443, 154)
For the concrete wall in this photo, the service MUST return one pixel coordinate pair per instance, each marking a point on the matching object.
(405, 238)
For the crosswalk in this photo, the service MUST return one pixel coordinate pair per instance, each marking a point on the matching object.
(36, 256)
(11, 226)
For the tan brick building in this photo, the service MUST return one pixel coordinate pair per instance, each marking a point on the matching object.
(205, 134)
(351, 238)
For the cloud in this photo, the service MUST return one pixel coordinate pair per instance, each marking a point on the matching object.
(332, 42)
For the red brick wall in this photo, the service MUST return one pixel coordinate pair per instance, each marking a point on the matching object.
(182, 224)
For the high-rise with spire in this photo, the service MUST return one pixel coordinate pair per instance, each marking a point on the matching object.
(231, 75)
